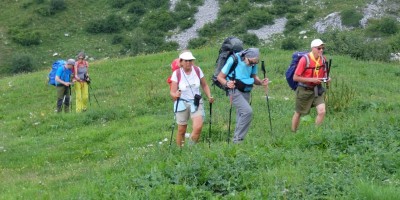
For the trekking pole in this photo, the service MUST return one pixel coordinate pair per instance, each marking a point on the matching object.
(209, 128)
(266, 96)
(90, 87)
(327, 84)
(230, 110)
(229, 125)
(70, 98)
(173, 124)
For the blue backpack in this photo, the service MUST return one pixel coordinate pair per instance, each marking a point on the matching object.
(52, 75)
(292, 68)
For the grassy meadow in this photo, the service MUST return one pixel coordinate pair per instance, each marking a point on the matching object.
(119, 148)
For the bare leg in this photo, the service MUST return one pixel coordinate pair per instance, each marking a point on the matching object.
(295, 121)
(180, 137)
(197, 126)
(320, 114)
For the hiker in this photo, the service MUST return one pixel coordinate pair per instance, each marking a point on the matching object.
(240, 82)
(185, 88)
(309, 92)
(81, 80)
(63, 85)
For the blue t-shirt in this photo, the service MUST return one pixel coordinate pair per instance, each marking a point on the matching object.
(64, 74)
(242, 71)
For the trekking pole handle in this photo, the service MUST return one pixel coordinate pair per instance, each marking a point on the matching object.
(263, 67)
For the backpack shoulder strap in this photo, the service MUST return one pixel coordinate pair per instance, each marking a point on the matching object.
(234, 64)
(178, 74)
(197, 70)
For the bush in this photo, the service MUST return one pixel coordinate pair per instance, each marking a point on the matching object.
(281, 7)
(208, 30)
(137, 8)
(197, 42)
(25, 37)
(119, 3)
(351, 17)
(382, 27)
(353, 44)
(151, 21)
(111, 24)
(292, 24)
(117, 39)
(57, 5)
(257, 18)
(21, 63)
(290, 44)
(394, 43)
(250, 39)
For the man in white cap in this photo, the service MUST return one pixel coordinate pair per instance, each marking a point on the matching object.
(63, 83)
(185, 90)
(311, 71)
(240, 81)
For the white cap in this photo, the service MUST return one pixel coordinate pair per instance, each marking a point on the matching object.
(187, 56)
(316, 43)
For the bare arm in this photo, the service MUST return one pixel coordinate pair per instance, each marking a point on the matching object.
(206, 89)
(222, 79)
(174, 92)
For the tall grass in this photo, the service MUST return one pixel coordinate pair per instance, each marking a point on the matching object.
(118, 149)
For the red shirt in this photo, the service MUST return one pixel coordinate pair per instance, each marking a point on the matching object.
(312, 71)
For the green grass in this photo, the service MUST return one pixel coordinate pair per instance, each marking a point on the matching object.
(113, 150)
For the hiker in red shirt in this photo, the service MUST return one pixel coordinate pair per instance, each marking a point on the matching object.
(309, 92)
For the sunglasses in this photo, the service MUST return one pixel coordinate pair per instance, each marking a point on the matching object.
(252, 62)
(320, 48)
(187, 60)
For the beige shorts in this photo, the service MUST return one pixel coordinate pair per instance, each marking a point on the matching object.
(305, 99)
(182, 117)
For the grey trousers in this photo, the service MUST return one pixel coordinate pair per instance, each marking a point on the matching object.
(244, 114)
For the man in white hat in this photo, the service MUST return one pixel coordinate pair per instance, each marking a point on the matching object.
(311, 71)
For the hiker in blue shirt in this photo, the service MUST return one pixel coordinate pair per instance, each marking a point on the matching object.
(240, 82)
(63, 85)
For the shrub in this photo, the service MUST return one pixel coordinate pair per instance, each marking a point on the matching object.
(250, 39)
(351, 17)
(111, 24)
(137, 8)
(288, 6)
(257, 18)
(292, 24)
(290, 44)
(208, 30)
(185, 24)
(382, 27)
(197, 42)
(394, 43)
(21, 63)
(353, 44)
(119, 3)
(25, 37)
(151, 21)
(57, 5)
(117, 39)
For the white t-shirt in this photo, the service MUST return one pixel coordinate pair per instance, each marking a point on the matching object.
(191, 79)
